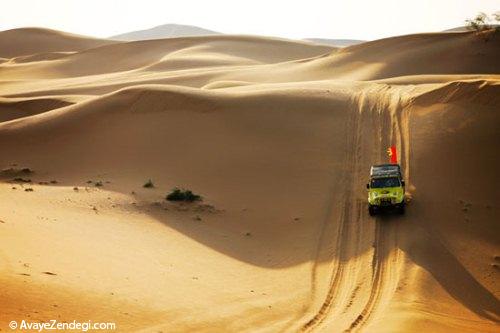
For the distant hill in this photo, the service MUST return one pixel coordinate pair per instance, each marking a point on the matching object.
(164, 31)
(465, 28)
(335, 42)
(457, 29)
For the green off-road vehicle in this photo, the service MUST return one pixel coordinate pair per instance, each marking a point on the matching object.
(386, 188)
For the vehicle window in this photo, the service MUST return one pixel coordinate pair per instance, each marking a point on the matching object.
(384, 182)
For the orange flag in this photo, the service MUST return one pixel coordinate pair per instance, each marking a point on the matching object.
(391, 151)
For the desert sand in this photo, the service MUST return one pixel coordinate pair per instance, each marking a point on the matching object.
(278, 137)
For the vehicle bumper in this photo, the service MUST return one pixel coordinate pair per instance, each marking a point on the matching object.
(387, 204)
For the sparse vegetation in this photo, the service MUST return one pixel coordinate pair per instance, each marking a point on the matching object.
(98, 184)
(148, 184)
(13, 172)
(482, 22)
(22, 180)
(178, 194)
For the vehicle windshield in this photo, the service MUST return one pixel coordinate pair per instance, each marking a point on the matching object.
(385, 182)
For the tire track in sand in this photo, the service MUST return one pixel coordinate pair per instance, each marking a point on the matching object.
(342, 238)
(386, 259)
(353, 222)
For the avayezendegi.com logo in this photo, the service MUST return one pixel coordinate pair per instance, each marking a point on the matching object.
(54, 325)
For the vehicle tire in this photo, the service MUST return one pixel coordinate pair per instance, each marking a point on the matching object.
(401, 209)
(371, 210)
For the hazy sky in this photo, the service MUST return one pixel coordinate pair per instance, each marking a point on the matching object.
(368, 19)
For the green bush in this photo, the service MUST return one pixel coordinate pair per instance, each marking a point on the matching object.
(178, 194)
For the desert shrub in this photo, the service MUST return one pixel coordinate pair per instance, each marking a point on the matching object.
(178, 194)
(22, 180)
(478, 23)
(148, 184)
(482, 22)
(98, 184)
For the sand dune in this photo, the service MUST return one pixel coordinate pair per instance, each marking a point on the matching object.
(26, 41)
(278, 137)
(336, 42)
(167, 54)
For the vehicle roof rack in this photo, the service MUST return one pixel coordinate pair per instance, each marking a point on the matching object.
(385, 170)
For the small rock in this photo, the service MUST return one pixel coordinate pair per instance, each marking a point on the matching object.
(49, 273)
(248, 234)
(28, 190)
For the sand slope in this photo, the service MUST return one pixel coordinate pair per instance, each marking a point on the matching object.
(278, 137)
(26, 41)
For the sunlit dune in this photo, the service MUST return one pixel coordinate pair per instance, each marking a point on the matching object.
(277, 136)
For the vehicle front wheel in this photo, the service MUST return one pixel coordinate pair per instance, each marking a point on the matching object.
(401, 209)
(371, 210)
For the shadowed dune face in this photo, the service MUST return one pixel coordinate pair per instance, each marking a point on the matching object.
(12, 108)
(278, 137)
